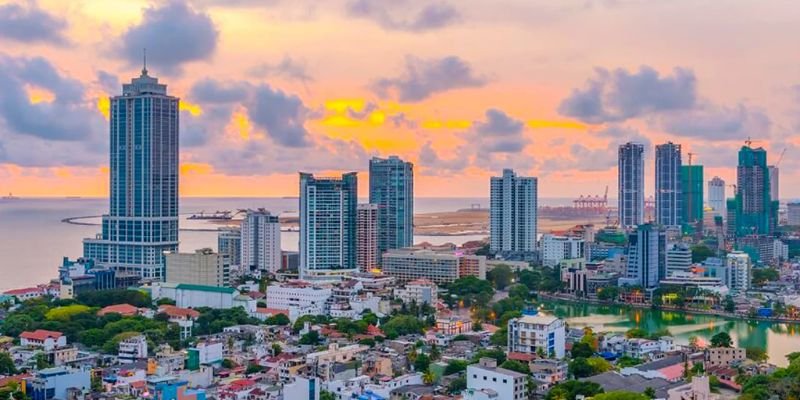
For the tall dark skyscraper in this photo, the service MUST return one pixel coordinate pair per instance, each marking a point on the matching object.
(327, 225)
(630, 171)
(391, 188)
(142, 222)
(669, 192)
(756, 213)
(692, 185)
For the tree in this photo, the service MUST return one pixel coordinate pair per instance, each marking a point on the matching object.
(721, 339)
(636, 333)
(326, 395)
(311, 338)
(455, 366)
(760, 276)
(42, 362)
(517, 366)
(599, 365)
(500, 276)
(498, 354)
(428, 377)
(626, 361)
(610, 293)
(276, 349)
(457, 385)
(580, 368)
(622, 395)
(582, 349)
(402, 325)
(277, 319)
(519, 291)
(700, 253)
(422, 362)
(756, 354)
(730, 305)
(7, 366)
(253, 368)
(570, 389)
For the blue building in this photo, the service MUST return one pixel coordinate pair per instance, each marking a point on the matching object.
(669, 192)
(53, 383)
(630, 171)
(142, 223)
(647, 257)
(391, 187)
(327, 225)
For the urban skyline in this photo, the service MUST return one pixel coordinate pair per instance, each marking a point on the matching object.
(350, 111)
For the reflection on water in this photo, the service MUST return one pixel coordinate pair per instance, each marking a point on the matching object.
(777, 338)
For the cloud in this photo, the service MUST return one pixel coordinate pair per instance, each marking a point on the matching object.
(584, 158)
(287, 68)
(217, 92)
(424, 78)
(108, 82)
(433, 164)
(69, 116)
(282, 116)
(615, 96)
(499, 133)
(712, 122)
(368, 109)
(173, 34)
(30, 24)
(405, 15)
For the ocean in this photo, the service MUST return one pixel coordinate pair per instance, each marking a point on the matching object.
(33, 238)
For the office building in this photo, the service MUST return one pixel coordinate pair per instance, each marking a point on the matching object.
(556, 248)
(229, 242)
(646, 256)
(774, 182)
(738, 279)
(669, 192)
(260, 242)
(513, 218)
(793, 213)
(391, 188)
(631, 184)
(439, 267)
(299, 298)
(203, 267)
(716, 195)
(327, 225)
(574, 276)
(692, 184)
(142, 223)
(537, 333)
(756, 213)
(485, 380)
(367, 255)
(679, 259)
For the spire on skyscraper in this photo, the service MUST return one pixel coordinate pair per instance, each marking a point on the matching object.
(144, 61)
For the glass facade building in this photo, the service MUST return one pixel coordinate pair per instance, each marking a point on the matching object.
(391, 188)
(327, 225)
(692, 183)
(142, 223)
(756, 212)
(630, 171)
(669, 191)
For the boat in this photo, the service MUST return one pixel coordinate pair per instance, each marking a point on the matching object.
(9, 197)
(216, 215)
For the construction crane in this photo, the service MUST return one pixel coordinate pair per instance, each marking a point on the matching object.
(780, 158)
(690, 157)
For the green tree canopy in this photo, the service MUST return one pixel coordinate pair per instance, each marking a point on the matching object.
(500, 276)
(721, 339)
(568, 390)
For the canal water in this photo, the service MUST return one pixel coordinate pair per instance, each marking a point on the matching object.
(779, 339)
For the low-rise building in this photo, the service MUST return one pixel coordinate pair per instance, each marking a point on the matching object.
(419, 291)
(485, 377)
(723, 356)
(454, 325)
(537, 333)
(440, 267)
(548, 370)
(299, 298)
(44, 339)
(556, 248)
(55, 383)
(132, 349)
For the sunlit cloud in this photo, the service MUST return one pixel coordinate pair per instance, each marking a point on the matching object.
(544, 124)
(192, 108)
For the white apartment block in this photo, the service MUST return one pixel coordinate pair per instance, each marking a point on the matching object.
(367, 256)
(486, 381)
(557, 248)
(261, 242)
(738, 272)
(299, 298)
(203, 267)
(419, 291)
(679, 259)
(533, 332)
(132, 349)
(513, 212)
(439, 267)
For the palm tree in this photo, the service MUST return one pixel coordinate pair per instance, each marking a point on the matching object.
(428, 377)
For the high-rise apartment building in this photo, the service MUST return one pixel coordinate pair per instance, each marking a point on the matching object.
(327, 225)
(513, 218)
(631, 184)
(692, 184)
(647, 256)
(391, 188)
(367, 256)
(669, 193)
(738, 279)
(556, 248)
(142, 223)
(261, 242)
(716, 195)
(756, 213)
(229, 243)
(793, 213)
(774, 182)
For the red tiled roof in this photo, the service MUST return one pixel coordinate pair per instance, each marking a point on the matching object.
(122, 309)
(40, 335)
(521, 356)
(374, 330)
(255, 295)
(242, 384)
(16, 292)
(14, 378)
(272, 311)
(138, 384)
(174, 311)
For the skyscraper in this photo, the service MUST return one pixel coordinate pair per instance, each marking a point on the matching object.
(261, 242)
(513, 219)
(327, 225)
(229, 243)
(142, 223)
(716, 195)
(774, 183)
(647, 256)
(367, 237)
(692, 184)
(755, 211)
(669, 192)
(391, 188)
(631, 184)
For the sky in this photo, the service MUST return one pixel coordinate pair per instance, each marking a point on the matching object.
(462, 88)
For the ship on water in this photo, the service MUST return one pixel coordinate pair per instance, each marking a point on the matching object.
(9, 197)
(216, 215)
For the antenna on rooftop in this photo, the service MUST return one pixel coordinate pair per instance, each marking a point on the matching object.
(144, 63)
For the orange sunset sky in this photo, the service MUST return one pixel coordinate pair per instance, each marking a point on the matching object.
(463, 88)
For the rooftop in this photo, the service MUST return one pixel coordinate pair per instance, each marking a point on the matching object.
(541, 319)
(203, 288)
(40, 335)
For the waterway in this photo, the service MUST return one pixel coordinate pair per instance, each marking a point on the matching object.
(779, 339)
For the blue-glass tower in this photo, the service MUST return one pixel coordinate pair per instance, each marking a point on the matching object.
(391, 188)
(327, 225)
(142, 223)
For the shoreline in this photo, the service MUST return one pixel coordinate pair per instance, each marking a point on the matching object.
(716, 313)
